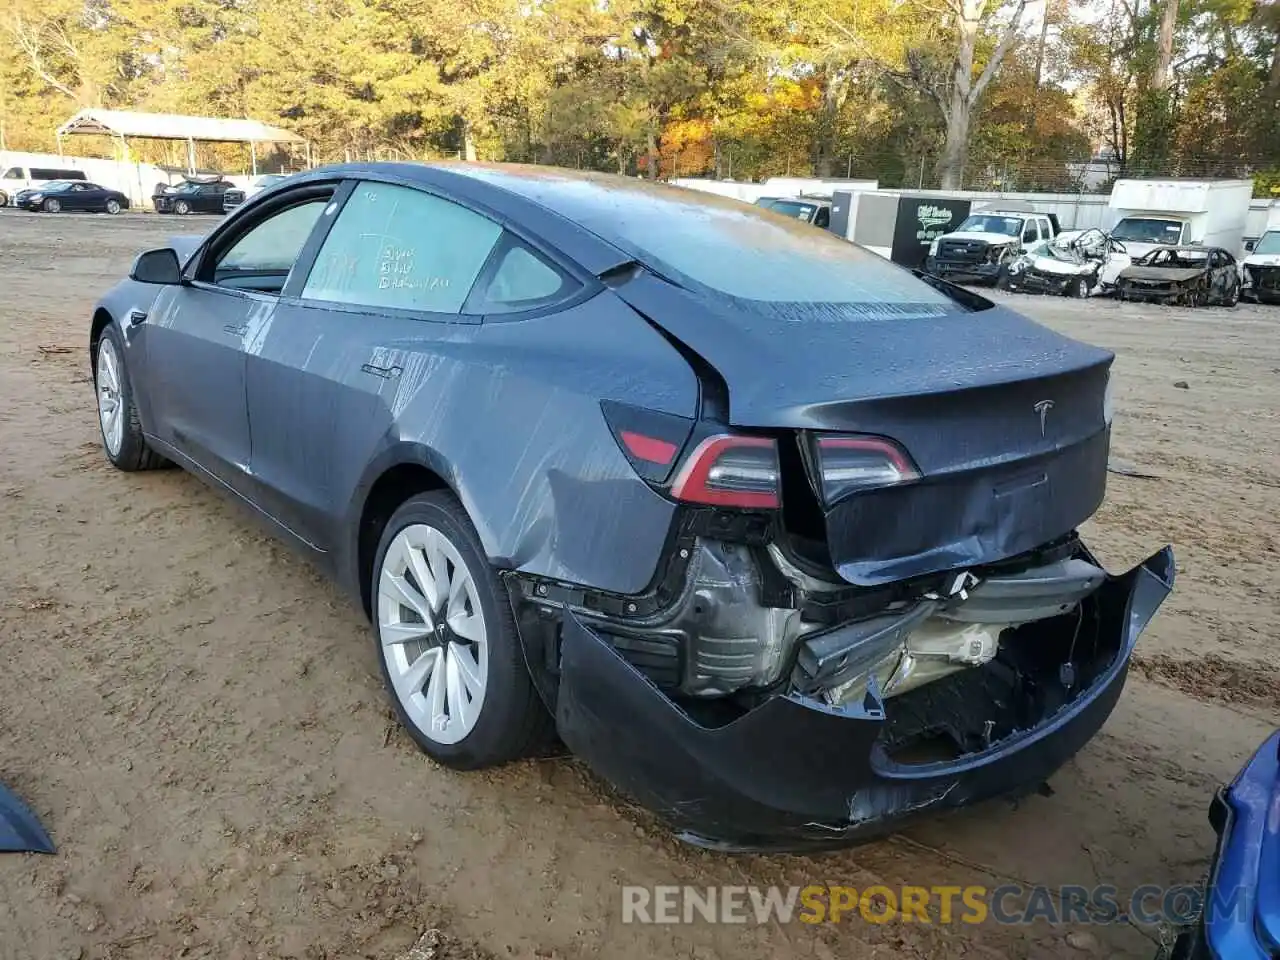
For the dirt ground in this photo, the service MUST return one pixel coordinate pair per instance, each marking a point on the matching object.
(197, 716)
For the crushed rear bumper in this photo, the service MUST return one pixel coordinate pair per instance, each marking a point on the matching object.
(794, 773)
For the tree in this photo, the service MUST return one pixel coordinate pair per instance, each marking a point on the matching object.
(954, 90)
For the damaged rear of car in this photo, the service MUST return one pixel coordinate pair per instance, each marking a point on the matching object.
(1074, 264)
(873, 602)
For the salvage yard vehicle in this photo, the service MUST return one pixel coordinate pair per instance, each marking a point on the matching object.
(988, 241)
(72, 195)
(814, 210)
(1261, 270)
(778, 536)
(197, 195)
(1191, 276)
(1241, 902)
(1079, 263)
(235, 196)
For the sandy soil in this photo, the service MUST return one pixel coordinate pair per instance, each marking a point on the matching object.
(197, 716)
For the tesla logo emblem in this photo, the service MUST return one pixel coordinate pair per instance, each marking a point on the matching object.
(1043, 408)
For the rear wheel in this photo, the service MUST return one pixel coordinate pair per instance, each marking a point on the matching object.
(122, 438)
(447, 642)
(51, 205)
(113, 206)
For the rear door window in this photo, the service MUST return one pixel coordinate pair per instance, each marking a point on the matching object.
(14, 173)
(397, 248)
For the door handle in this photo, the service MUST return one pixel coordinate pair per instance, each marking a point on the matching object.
(239, 331)
(387, 373)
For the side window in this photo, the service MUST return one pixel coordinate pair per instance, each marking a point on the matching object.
(14, 173)
(1029, 232)
(262, 258)
(401, 249)
(823, 217)
(519, 279)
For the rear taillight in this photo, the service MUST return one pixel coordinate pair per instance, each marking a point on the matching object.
(651, 440)
(848, 464)
(731, 471)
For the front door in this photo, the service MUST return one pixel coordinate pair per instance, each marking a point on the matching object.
(197, 339)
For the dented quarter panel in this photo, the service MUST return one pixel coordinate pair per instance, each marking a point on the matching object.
(507, 413)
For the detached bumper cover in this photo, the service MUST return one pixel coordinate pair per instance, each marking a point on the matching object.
(794, 773)
(1241, 919)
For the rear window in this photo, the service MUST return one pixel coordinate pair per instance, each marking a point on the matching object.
(719, 246)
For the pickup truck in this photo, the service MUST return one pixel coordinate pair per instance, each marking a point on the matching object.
(981, 249)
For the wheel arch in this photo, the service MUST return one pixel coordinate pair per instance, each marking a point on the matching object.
(403, 471)
(101, 320)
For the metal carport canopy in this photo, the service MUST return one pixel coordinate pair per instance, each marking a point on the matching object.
(171, 126)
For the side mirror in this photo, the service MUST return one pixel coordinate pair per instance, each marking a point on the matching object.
(157, 266)
(1249, 245)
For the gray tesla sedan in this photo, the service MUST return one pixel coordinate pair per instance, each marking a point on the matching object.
(776, 535)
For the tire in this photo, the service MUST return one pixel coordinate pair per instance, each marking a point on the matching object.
(4, 199)
(129, 452)
(1233, 297)
(181, 208)
(1002, 279)
(510, 720)
(113, 206)
(51, 206)
(1077, 288)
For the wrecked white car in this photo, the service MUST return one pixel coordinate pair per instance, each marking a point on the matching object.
(1077, 263)
(1261, 274)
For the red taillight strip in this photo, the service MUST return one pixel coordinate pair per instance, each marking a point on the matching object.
(691, 482)
(649, 448)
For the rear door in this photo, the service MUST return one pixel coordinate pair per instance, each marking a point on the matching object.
(197, 338)
(378, 318)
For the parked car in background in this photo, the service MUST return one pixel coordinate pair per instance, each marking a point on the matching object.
(1191, 276)
(814, 210)
(193, 196)
(235, 196)
(1240, 919)
(988, 241)
(775, 539)
(1077, 263)
(18, 178)
(67, 196)
(1261, 270)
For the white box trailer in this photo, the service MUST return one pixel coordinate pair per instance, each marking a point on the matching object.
(1148, 213)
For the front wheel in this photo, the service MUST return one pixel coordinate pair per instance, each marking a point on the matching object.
(447, 642)
(4, 199)
(51, 205)
(1077, 288)
(113, 207)
(122, 438)
(182, 208)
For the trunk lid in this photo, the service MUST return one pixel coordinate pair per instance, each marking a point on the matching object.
(1004, 418)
